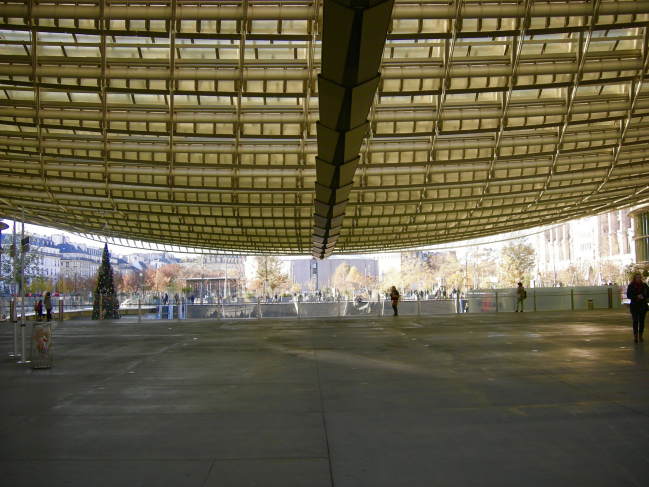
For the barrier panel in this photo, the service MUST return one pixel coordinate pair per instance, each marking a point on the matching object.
(475, 301)
(545, 299)
(293, 308)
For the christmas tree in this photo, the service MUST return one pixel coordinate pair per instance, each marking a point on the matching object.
(105, 290)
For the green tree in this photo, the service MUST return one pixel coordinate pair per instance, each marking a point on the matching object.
(478, 264)
(449, 269)
(105, 290)
(516, 262)
(415, 270)
(32, 258)
(368, 283)
(39, 284)
(354, 277)
(311, 285)
(393, 277)
(269, 272)
(339, 279)
(65, 285)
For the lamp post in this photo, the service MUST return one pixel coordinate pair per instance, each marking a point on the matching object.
(67, 283)
(22, 288)
(202, 276)
(225, 290)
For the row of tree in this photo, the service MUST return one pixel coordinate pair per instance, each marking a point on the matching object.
(169, 277)
(470, 268)
(482, 267)
(476, 267)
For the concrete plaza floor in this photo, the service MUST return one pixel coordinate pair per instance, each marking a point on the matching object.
(533, 399)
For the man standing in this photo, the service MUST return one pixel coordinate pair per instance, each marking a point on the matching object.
(521, 294)
(394, 296)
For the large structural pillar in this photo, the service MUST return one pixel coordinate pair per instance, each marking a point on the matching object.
(621, 234)
(630, 236)
(566, 245)
(597, 230)
(542, 256)
(353, 38)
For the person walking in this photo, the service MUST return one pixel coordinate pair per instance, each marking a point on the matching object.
(47, 301)
(521, 294)
(638, 292)
(394, 296)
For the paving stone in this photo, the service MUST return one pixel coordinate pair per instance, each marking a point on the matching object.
(534, 399)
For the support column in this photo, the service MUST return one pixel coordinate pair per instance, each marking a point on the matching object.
(574, 237)
(14, 320)
(353, 38)
(597, 230)
(542, 256)
(610, 233)
(629, 234)
(564, 242)
(22, 287)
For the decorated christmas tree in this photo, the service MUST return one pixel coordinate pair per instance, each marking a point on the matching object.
(105, 290)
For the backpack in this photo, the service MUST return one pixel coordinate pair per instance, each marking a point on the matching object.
(524, 294)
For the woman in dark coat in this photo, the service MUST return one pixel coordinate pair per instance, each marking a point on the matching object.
(638, 292)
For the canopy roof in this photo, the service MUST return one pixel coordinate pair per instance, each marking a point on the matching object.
(194, 122)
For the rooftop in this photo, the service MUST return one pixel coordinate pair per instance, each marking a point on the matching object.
(201, 131)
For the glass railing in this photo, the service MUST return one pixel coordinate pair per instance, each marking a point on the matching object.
(147, 306)
(545, 299)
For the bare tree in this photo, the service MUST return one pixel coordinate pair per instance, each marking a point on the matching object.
(516, 262)
(269, 272)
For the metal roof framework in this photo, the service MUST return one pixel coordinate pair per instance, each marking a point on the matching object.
(193, 123)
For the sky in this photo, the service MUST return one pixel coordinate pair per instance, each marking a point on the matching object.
(496, 242)
(46, 231)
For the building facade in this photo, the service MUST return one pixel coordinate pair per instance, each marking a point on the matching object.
(388, 261)
(319, 273)
(48, 264)
(77, 261)
(641, 233)
(585, 244)
(48, 260)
